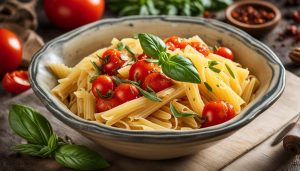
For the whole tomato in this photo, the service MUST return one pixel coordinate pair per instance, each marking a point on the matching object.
(10, 51)
(16, 82)
(225, 52)
(114, 61)
(157, 82)
(126, 92)
(140, 70)
(70, 14)
(102, 86)
(103, 105)
(217, 112)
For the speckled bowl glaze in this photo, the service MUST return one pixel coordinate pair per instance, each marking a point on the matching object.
(71, 47)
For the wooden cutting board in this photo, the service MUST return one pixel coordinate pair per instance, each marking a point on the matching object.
(231, 153)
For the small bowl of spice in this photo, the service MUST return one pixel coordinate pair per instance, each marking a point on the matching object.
(255, 17)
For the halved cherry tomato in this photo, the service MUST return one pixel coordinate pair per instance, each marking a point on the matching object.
(10, 51)
(126, 92)
(217, 112)
(142, 56)
(114, 61)
(176, 42)
(102, 85)
(69, 14)
(140, 70)
(103, 105)
(16, 82)
(157, 82)
(224, 52)
(200, 48)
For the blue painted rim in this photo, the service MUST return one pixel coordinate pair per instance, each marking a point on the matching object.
(272, 94)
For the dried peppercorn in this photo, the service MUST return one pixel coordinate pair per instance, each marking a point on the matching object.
(251, 14)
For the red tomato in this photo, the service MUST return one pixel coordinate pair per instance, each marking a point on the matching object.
(157, 82)
(16, 82)
(142, 56)
(104, 105)
(70, 14)
(114, 61)
(200, 48)
(10, 51)
(126, 92)
(104, 84)
(176, 42)
(217, 112)
(224, 52)
(140, 70)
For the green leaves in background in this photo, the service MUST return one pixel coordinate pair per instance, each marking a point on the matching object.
(35, 128)
(166, 7)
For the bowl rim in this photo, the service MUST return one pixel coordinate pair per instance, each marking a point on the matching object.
(252, 26)
(270, 96)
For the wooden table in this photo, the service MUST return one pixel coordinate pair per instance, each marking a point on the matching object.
(47, 31)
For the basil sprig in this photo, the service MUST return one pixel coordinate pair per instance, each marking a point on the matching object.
(42, 142)
(176, 67)
(178, 114)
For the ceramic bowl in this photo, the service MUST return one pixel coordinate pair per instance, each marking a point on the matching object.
(258, 30)
(71, 47)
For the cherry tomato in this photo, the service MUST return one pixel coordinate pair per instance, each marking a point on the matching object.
(142, 56)
(140, 70)
(70, 14)
(114, 61)
(217, 112)
(102, 84)
(10, 51)
(16, 82)
(200, 48)
(126, 92)
(103, 105)
(175, 42)
(224, 52)
(157, 82)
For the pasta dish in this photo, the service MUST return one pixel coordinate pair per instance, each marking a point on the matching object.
(146, 83)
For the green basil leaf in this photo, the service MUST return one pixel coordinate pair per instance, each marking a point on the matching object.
(181, 69)
(152, 45)
(53, 142)
(29, 124)
(230, 71)
(178, 114)
(144, 10)
(28, 149)
(208, 87)
(171, 10)
(120, 46)
(79, 157)
(149, 95)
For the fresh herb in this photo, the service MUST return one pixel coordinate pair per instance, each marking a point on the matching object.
(93, 78)
(166, 7)
(208, 87)
(230, 71)
(151, 95)
(176, 67)
(98, 68)
(107, 96)
(42, 142)
(121, 46)
(178, 114)
(211, 66)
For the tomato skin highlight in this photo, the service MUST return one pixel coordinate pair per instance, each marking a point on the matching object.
(200, 48)
(114, 61)
(102, 84)
(126, 92)
(16, 82)
(70, 14)
(140, 69)
(217, 112)
(157, 82)
(11, 48)
(174, 42)
(103, 105)
(225, 52)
